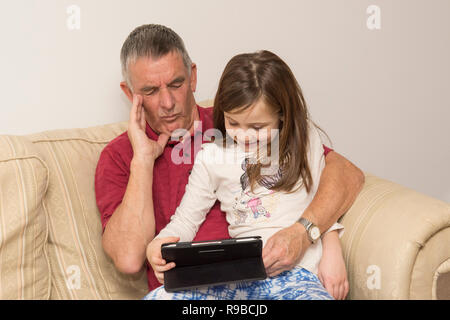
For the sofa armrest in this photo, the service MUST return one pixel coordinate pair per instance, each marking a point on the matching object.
(396, 243)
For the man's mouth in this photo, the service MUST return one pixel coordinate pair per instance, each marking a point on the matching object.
(171, 118)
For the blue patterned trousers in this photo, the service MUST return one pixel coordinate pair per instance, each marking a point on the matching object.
(295, 284)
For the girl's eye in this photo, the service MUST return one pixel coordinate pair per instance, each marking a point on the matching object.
(232, 124)
(257, 128)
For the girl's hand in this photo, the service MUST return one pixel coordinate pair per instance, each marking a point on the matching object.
(155, 259)
(332, 272)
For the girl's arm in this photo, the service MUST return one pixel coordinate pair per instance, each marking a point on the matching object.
(332, 271)
(197, 201)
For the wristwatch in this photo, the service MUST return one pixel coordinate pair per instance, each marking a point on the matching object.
(312, 230)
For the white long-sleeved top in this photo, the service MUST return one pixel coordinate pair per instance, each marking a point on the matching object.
(217, 173)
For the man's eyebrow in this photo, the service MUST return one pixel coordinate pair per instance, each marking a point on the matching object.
(174, 81)
(148, 88)
(177, 80)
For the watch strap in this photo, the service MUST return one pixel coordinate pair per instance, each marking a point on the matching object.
(308, 225)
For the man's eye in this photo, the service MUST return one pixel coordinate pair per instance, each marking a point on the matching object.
(176, 86)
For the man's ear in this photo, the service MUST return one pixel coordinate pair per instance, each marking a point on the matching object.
(193, 77)
(128, 92)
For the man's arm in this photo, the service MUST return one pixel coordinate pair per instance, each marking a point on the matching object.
(132, 225)
(339, 185)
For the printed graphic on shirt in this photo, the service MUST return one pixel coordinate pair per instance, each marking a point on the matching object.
(253, 205)
(249, 206)
(271, 201)
(267, 181)
(257, 209)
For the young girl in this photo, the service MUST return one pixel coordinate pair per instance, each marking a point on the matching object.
(260, 108)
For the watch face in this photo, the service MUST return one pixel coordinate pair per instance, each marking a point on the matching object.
(315, 233)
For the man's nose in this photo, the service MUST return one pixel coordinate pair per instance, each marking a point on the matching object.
(166, 99)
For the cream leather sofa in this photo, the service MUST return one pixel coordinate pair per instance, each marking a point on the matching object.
(396, 243)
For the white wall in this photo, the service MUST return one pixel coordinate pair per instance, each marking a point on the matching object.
(381, 95)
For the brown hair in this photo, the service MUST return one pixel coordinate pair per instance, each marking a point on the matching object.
(247, 78)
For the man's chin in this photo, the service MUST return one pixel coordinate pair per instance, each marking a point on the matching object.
(172, 128)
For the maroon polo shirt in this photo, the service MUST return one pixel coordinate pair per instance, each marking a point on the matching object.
(169, 183)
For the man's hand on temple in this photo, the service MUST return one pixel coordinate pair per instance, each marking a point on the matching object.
(143, 147)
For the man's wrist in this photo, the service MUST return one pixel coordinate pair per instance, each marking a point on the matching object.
(309, 215)
(139, 163)
(299, 228)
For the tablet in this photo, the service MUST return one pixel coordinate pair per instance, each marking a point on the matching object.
(206, 263)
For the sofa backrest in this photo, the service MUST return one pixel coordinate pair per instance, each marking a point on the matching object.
(79, 267)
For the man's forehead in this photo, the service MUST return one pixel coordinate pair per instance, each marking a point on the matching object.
(154, 71)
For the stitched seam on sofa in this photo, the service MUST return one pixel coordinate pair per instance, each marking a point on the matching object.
(42, 201)
(34, 232)
(2, 240)
(46, 253)
(72, 139)
(78, 242)
(44, 247)
(362, 217)
(68, 162)
(24, 206)
(24, 216)
(59, 261)
(121, 126)
(436, 275)
(72, 220)
(355, 237)
(417, 255)
(25, 158)
(54, 281)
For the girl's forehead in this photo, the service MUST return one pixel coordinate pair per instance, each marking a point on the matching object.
(259, 111)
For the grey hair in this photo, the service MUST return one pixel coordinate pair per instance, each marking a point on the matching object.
(151, 40)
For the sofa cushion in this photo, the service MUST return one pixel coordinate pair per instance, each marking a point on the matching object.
(80, 267)
(24, 267)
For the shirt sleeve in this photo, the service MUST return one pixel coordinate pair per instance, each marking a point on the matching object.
(111, 179)
(337, 226)
(326, 150)
(197, 201)
(316, 158)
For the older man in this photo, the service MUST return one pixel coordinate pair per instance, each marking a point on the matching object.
(138, 186)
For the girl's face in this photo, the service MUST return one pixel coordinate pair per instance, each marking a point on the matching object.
(251, 128)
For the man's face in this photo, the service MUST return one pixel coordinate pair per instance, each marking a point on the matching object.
(167, 91)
